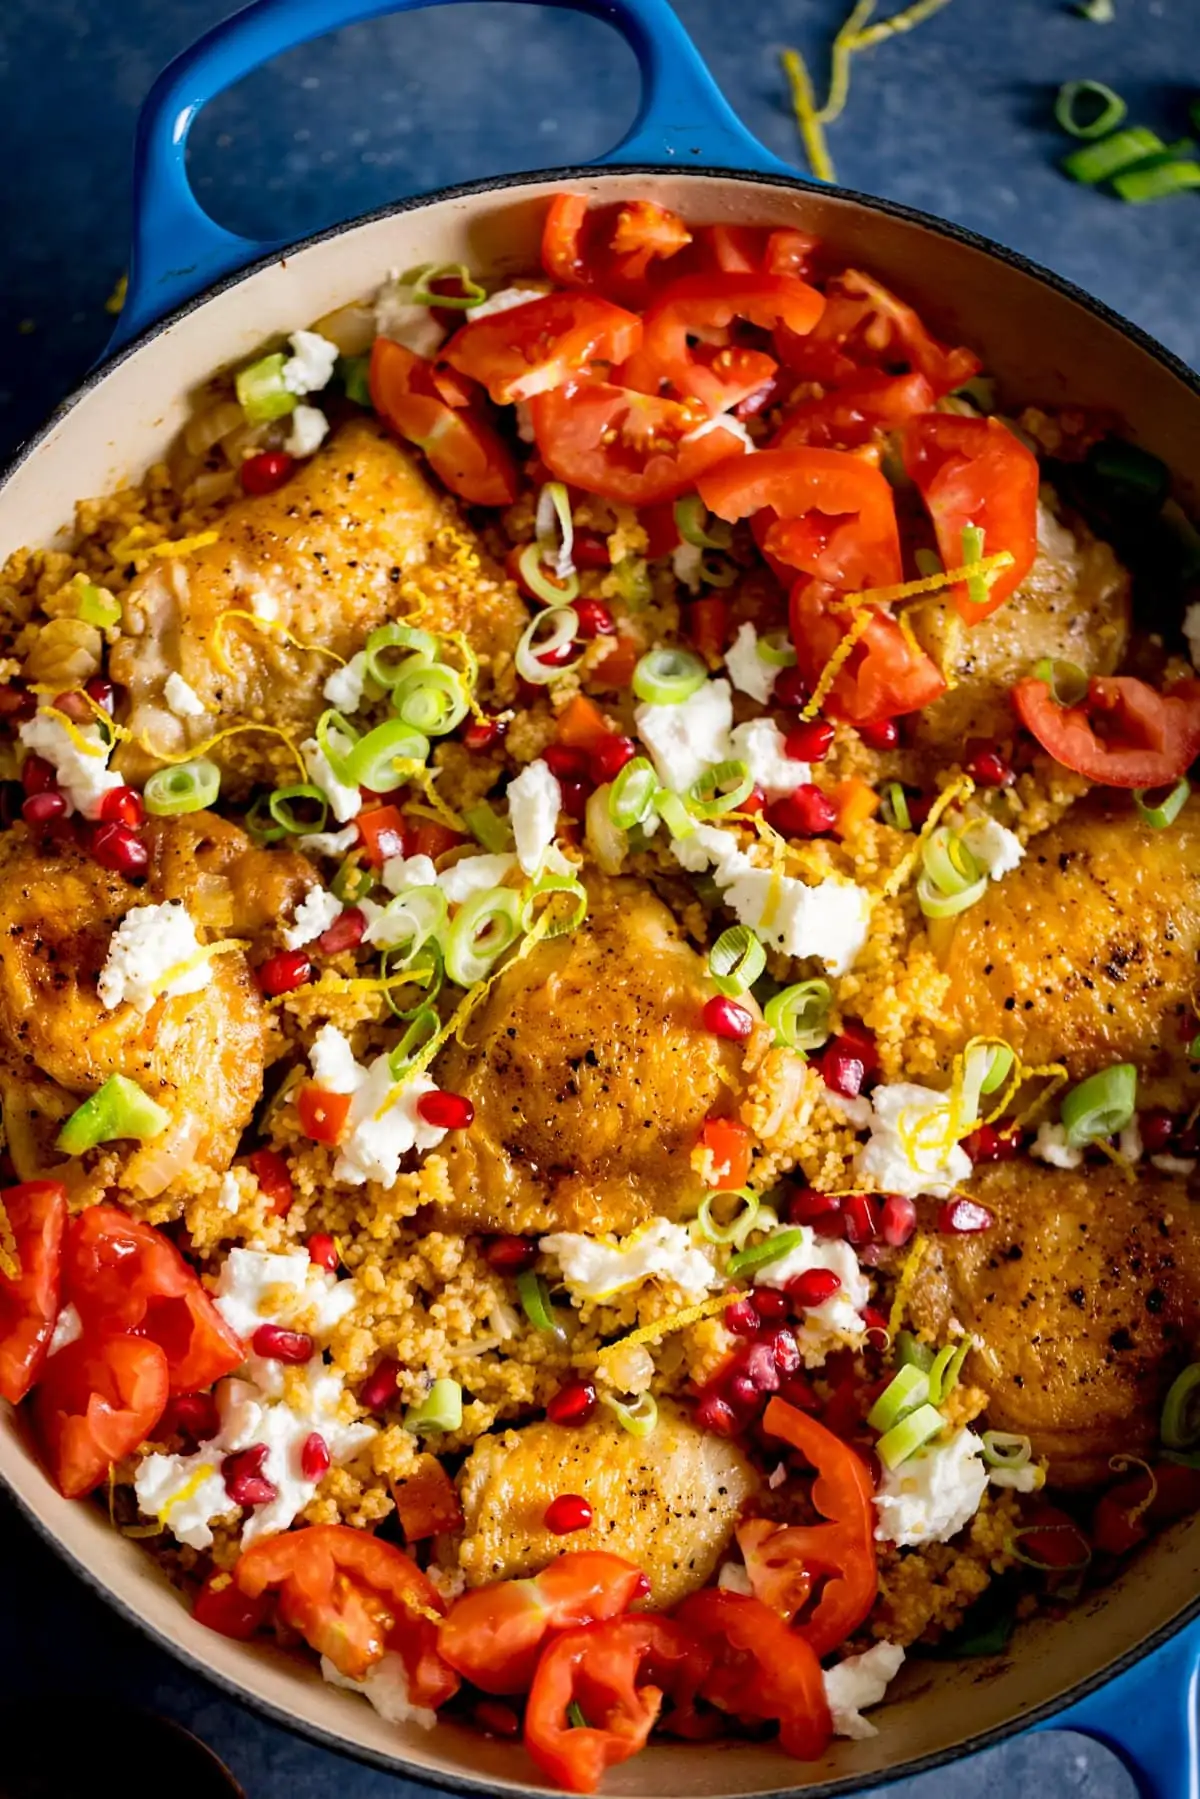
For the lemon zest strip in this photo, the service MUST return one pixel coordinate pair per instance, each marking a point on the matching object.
(206, 953)
(904, 1286)
(908, 590)
(844, 46)
(906, 20)
(187, 1491)
(183, 546)
(86, 746)
(808, 119)
(829, 673)
(961, 788)
(665, 1327)
(343, 984)
(171, 757)
(217, 634)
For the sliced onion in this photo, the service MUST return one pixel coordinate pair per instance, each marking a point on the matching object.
(536, 643)
(606, 840)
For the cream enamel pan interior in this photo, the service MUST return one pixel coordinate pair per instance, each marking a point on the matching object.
(1045, 344)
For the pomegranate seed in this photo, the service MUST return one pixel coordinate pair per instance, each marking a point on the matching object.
(843, 1069)
(988, 768)
(798, 1391)
(884, 734)
(279, 1345)
(572, 1404)
(556, 658)
(315, 1459)
(510, 1255)
(897, 1220)
(810, 741)
(482, 733)
(790, 689)
(245, 1482)
(831, 1226)
(758, 1365)
(725, 1018)
(575, 798)
(74, 705)
(741, 1317)
(565, 764)
(40, 808)
(102, 691)
(786, 1351)
(813, 1287)
(876, 1325)
(1158, 1129)
(590, 550)
(987, 1144)
(716, 1414)
(116, 847)
(860, 1218)
(919, 807)
(266, 471)
(770, 1305)
(567, 1513)
(609, 758)
(960, 1217)
(447, 1111)
(122, 806)
(195, 1414)
(346, 932)
(755, 801)
(497, 1719)
(808, 1205)
(284, 972)
(379, 1388)
(743, 1390)
(805, 813)
(38, 775)
(322, 1251)
(595, 620)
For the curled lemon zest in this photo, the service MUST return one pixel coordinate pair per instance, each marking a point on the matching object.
(217, 646)
(844, 46)
(906, 20)
(1056, 1074)
(180, 970)
(183, 546)
(172, 757)
(961, 788)
(10, 1255)
(832, 668)
(1119, 1463)
(336, 983)
(186, 1492)
(665, 1327)
(808, 119)
(908, 590)
(469, 670)
(419, 775)
(904, 1285)
(87, 746)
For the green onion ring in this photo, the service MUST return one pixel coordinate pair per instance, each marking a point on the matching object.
(775, 649)
(424, 1028)
(427, 983)
(739, 1226)
(281, 805)
(717, 571)
(422, 294)
(487, 828)
(947, 1367)
(535, 1302)
(998, 1068)
(736, 960)
(1068, 683)
(552, 590)
(485, 926)
(564, 627)
(949, 864)
(639, 1419)
(935, 904)
(912, 1433)
(1100, 1106)
(910, 1350)
(674, 813)
(336, 739)
(187, 787)
(972, 551)
(1031, 1561)
(1158, 815)
(667, 677)
(894, 809)
(382, 665)
(408, 922)
(552, 887)
(1157, 178)
(441, 1408)
(633, 581)
(554, 528)
(1004, 1449)
(352, 882)
(631, 796)
(1097, 162)
(1092, 93)
(720, 789)
(799, 1015)
(907, 1389)
(771, 1249)
(1180, 1425)
(383, 760)
(692, 521)
(431, 698)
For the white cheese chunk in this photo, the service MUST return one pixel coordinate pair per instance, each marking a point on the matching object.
(182, 698)
(383, 1123)
(345, 802)
(748, 671)
(686, 562)
(83, 773)
(836, 1323)
(505, 299)
(761, 745)
(995, 846)
(344, 688)
(309, 428)
(147, 944)
(685, 740)
(475, 874)
(385, 1685)
(315, 913)
(329, 843)
(402, 872)
(534, 803)
(413, 326)
(829, 920)
(594, 1267)
(931, 1496)
(1050, 1145)
(910, 1150)
(857, 1682)
(311, 364)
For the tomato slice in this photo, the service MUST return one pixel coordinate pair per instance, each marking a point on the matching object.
(529, 349)
(461, 446)
(274, 1176)
(1123, 1518)
(833, 514)
(884, 676)
(96, 1401)
(222, 1606)
(624, 445)
(616, 1673)
(353, 1598)
(729, 1143)
(784, 1561)
(975, 472)
(611, 248)
(706, 306)
(426, 1501)
(864, 325)
(762, 1672)
(322, 1113)
(384, 832)
(30, 1303)
(1124, 734)
(123, 1275)
(494, 1635)
(851, 414)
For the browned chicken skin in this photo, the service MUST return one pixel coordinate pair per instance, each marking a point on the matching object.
(591, 1076)
(1085, 1298)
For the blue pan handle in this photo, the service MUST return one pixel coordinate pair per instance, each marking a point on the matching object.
(1149, 1717)
(178, 251)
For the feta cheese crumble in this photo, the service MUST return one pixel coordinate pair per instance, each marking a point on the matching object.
(315, 913)
(345, 802)
(344, 688)
(505, 299)
(761, 745)
(146, 945)
(83, 773)
(311, 363)
(475, 874)
(932, 1495)
(1050, 1145)
(994, 845)
(910, 1151)
(836, 1322)
(534, 803)
(182, 698)
(383, 1123)
(829, 920)
(308, 431)
(686, 740)
(686, 562)
(748, 671)
(413, 326)
(594, 1267)
(385, 1685)
(329, 843)
(857, 1682)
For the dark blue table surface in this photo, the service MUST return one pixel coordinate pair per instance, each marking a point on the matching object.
(955, 119)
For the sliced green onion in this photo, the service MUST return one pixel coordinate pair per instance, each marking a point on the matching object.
(354, 372)
(117, 1109)
(383, 759)
(352, 882)
(1180, 1426)
(935, 904)
(799, 1015)
(441, 1409)
(631, 796)
(894, 809)
(407, 922)
(554, 528)
(1099, 12)
(736, 960)
(1004, 1449)
(693, 521)
(906, 1390)
(667, 677)
(640, 1418)
(256, 822)
(575, 1716)
(1100, 1106)
(188, 787)
(432, 698)
(553, 888)
(336, 738)
(633, 581)
(720, 789)
(427, 982)
(384, 664)
(1157, 181)
(948, 862)
(1068, 683)
(608, 844)
(424, 1028)
(1099, 162)
(775, 649)
(717, 571)
(1088, 108)
(421, 292)
(946, 1370)
(535, 1302)
(552, 590)
(1158, 814)
(912, 1433)
(282, 802)
(674, 813)
(260, 390)
(535, 644)
(1193, 1050)
(1131, 475)
(483, 929)
(972, 551)
(96, 606)
(771, 1249)
(739, 1226)
(909, 1351)
(488, 828)
(928, 562)
(1012, 1546)
(998, 1069)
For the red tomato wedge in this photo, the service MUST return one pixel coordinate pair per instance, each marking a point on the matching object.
(883, 676)
(222, 1606)
(494, 1635)
(864, 325)
(274, 1176)
(384, 832)
(124, 1276)
(353, 1598)
(833, 514)
(96, 1401)
(851, 414)
(1130, 1511)
(529, 349)
(975, 472)
(613, 247)
(756, 250)
(461, 446)
(762, 1672)
(785, 1562)
(730, 1144)
(627, 446)
(616, 1673)
(30, 1302)
(322, 1113)
(1124, 734)
(706, 306)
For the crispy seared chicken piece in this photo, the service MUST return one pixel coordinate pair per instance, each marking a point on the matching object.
(591, 1075)
(200, 1055)
(1085, 1296)
(228, 884)
(325, 558)
(1087, 952)
(667, 1502)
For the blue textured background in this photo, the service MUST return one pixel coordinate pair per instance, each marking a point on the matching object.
(955, 119)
